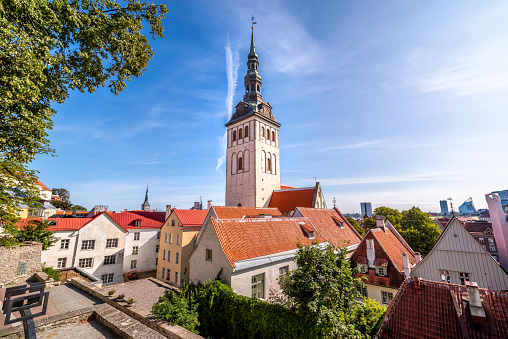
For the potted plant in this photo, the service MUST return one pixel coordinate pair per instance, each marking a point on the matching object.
(120, 296)
(111, 292)
(130, 302)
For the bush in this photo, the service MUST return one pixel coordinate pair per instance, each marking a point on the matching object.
(367, 317)
(9, 242)
(51, 272)
(177, 310)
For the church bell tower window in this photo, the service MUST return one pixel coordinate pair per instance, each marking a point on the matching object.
(234, 135)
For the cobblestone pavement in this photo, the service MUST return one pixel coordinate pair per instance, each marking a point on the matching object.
(68, 298)
(86, 330)
(145, 291)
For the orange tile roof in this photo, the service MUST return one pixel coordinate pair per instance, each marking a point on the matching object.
(288, 199)
(248, 238)
(191, 217)
(393, 247)
(62, 224)
(327, 223)
(286, 187)
(42, 185)
(428, 309)
(233, 212)
(127, 219)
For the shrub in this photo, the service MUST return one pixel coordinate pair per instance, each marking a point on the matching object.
(367, 317)
(177, 310)
(51, 272)
(111, 292)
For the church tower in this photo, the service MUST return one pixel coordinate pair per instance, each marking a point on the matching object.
(253, 162)
(146, 206)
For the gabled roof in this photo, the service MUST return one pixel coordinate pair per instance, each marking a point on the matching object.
(327, 223)
(191, 217)
(127, 219)
(286, 187)
(427, 309)
(232, 212)
(248, 238)
(393, 247)
(62, 224)
(287, 200)
(42, 185)
(478, 227)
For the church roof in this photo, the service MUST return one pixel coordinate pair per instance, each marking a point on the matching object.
(287, 200)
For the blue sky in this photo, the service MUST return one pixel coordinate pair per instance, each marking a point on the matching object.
(400, 103)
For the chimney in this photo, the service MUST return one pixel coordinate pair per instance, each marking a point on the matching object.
(406, 265)
(380, 222)
(418, 257)
(499, 226)
(371, 253)
(209, 205)
(475, 302)
(168, 211)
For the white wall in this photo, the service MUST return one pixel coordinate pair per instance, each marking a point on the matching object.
(374, 292)
(146, 249)
(51, 255)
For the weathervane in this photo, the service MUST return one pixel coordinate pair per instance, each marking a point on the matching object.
(253, 22)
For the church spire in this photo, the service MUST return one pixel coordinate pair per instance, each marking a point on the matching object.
(146, 206)
(252, 80)
(252, 45)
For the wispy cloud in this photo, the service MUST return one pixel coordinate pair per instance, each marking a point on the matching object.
(232, 64)
(356, 145)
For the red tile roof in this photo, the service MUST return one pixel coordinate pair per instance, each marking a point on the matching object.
(233, 212)
(380, 262)
(249, 238)
(191, 217)
(327, 223)
(127, 219)
(428, 309)
(42, 185)
(393, 247)
(361, 260)
(288, 199)
(286, 187)
(62, 224)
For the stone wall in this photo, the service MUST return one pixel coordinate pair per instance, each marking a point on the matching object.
(15, 259)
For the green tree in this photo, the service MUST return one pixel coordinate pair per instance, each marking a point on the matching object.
(78, 208)
(178, 310)
(356, 225)
(391, 214)
(367, 317)
(48, 48)
(62, 193)
(64, 205)
(419, 231)
(369, 223)
(323, 288)
(35, 230)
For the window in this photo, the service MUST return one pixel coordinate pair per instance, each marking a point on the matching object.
(165, 237)
(163, 271)
(491, 241)
(177, 257)
(156, 261)
(170, 238)
(273, 136)
(164, 255)
(138, 223)
(445, 276)
(169, 255)
(311, 234)
(110, 259)
(362, 268)
(107, 278)
(381, 271)
(136, 235)
(159, 235)
(86, 262)
(283, 270)
(240, 136)
(168, 272)
(268, 134)
(341, 225)
(62, 262)
(64, 244)
(208, 255)
(176, 277)
(268, 165)
(173, 222)
(178, 239)
(234, 135)
(134, 264)
(480, 239)
(135, 250)
(262, 132)
(240, 164)
(363, 291)
(88, 244)
(492, 248)
(258, 288)
(246, 131)
(463, 278)
(387, 297)
(156, 248)
(111, 243)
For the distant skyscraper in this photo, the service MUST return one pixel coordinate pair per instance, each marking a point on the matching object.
(504, 199)
(467, 207)
(444, 207)
(366, 208)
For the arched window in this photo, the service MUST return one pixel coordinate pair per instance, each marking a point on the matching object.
(268, 165)
(273, 135)
(234, 135)
(262, 131)
(267, 134)
(240, 164)
(240, 134)
(258, 88)
(246, 131)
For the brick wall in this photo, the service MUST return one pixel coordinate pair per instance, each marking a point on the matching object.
(11, 259)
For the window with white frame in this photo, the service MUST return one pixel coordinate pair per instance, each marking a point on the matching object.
(88, 244)
(363, 291)
(136, 235)
(445, 276)
(258, 286)
(134, 264)
(463, 276)
(492, 248)
(480, 239)
(387, 297)
(283, 270)
(362, 268)
(178, 239)
(112, 243)
(170, 238)
(107, 278)
(208, 254)
(491, 241)
(165, 237)
(64, 244)
(110, 259)
(138, 223)
(135, 250)
(86, 262)
(380, 271)
(61, 263)
(177, 257)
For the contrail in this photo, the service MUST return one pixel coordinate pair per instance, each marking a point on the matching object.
(232, 63)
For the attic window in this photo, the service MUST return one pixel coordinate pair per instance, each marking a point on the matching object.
(341, 225)
(311, 234)
(138, 223)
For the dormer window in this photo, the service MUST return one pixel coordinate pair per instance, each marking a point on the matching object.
(138, 223)
(311, 234)
(362, 268)
(488, 231)
(342, 225)
(380, 271)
